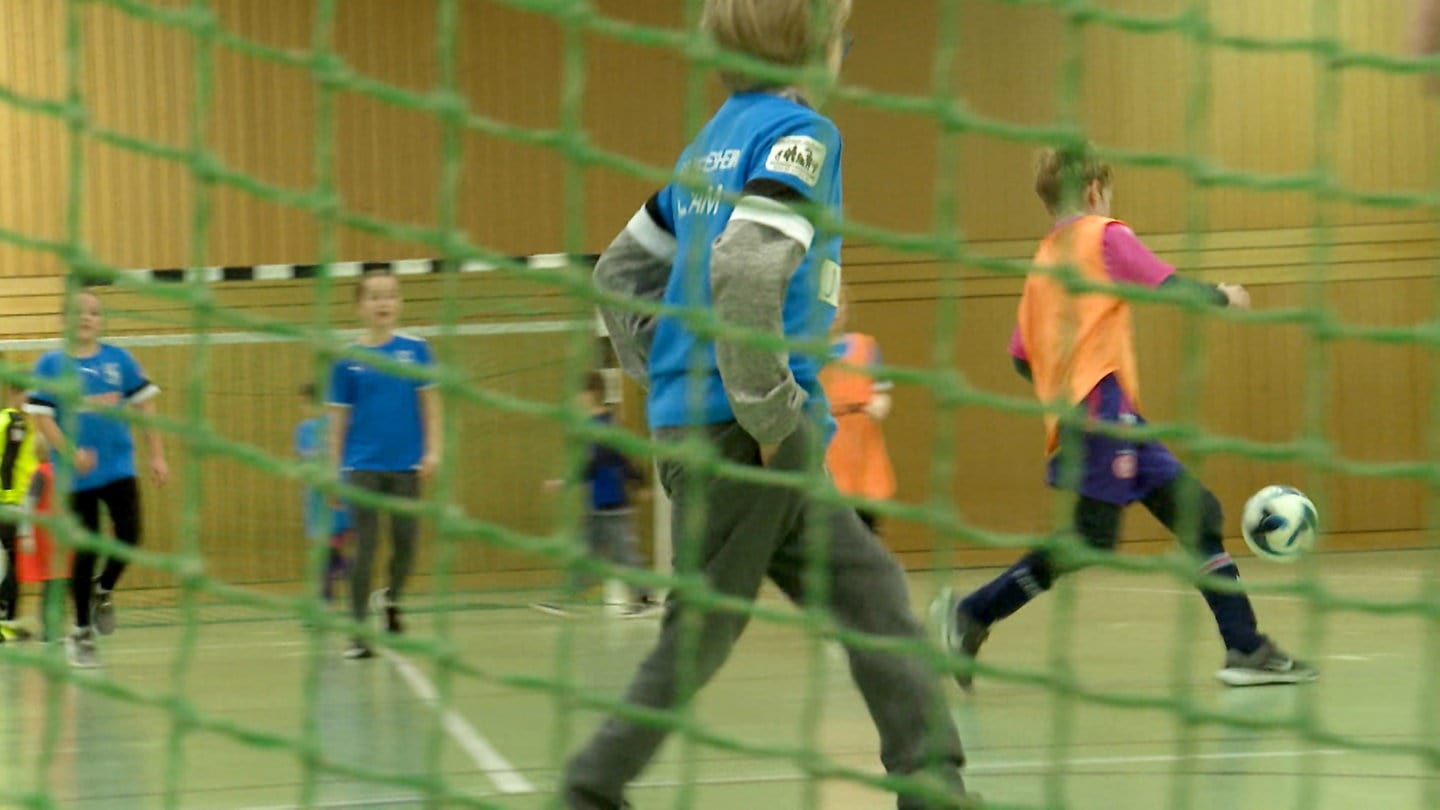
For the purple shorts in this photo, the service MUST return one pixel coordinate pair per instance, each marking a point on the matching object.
(1112, 469)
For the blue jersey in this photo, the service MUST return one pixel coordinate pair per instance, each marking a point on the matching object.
(753, 138)
(608, 472)
(310, 438)
(385, 433)
(108, 379)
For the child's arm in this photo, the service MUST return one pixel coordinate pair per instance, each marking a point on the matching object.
(155, 439)
(1425, 36)
(637, 265)
(433, 413)
(84, 459)
(750, 270)
(339, 423)
(1128, 260)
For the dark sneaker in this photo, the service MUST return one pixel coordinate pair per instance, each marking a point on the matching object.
(1267, 665)
(959, 634)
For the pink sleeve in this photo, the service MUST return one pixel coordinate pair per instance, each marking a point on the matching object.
(1127, 260)
(1017, 346)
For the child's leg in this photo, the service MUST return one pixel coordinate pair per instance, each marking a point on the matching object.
(1194, 514)
(367, 527)
(613, 539)
(1096, 522)
(86, 506)
(744, 524)
(404, 533)
(122, 499)
(52, 608)
(867, 592)
(10, 584)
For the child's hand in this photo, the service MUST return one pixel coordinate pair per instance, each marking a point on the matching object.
(159, 470)
(878, 407)
(429, 464)
(27, 543)
(85, 461)
(1235, 295)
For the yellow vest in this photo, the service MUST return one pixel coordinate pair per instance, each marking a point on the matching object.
(18, 460)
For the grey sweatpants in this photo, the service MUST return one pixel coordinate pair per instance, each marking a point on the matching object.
(752, 532)
(609, 536)
(403, 531)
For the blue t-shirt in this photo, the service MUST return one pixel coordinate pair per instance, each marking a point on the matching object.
(310, 438)
(109, 379)
(608, 472)
(385, 433)
(752, 137)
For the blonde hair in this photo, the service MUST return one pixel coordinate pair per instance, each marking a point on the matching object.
(1062, 175)
(784, 32)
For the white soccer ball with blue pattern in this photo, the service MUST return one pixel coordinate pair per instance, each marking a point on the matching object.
(1280, 524)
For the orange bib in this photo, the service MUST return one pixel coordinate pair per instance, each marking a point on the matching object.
(1074, 340)
(857, 458)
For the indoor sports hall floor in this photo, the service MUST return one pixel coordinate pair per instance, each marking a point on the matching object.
(500, 742)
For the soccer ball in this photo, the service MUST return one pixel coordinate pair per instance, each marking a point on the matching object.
(1279, 523)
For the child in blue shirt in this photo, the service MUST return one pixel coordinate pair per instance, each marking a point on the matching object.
(103, 454)
(743, 236)
(609, 517)
(386, 432)
(325, 521)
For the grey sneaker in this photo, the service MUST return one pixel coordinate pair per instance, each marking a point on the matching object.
(102, 612)
(960, 634)
(80, 648)
(1267, 665)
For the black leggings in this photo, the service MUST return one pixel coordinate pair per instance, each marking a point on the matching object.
(10, 585)
(1175, 505)
(122, 500)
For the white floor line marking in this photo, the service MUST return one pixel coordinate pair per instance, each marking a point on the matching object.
(1014, 765)
(494, 765)
(1148, 759)
(371, 802)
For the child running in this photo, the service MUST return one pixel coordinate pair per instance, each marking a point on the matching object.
(103, 454)
(1078, 350)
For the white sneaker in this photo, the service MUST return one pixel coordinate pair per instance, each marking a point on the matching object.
(80, 648)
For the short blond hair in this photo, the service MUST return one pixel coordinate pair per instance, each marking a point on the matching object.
(784, 32)
(1062, 175)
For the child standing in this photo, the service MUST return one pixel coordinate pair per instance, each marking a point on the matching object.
(37, 560)
(857, 457)
(386, 432)
(609, 517)
(324, 522)
(18, 461)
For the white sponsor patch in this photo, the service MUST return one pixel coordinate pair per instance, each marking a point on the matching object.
(797, 155)
(830, 283)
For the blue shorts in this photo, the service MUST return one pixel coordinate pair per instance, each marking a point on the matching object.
(1112, 469)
